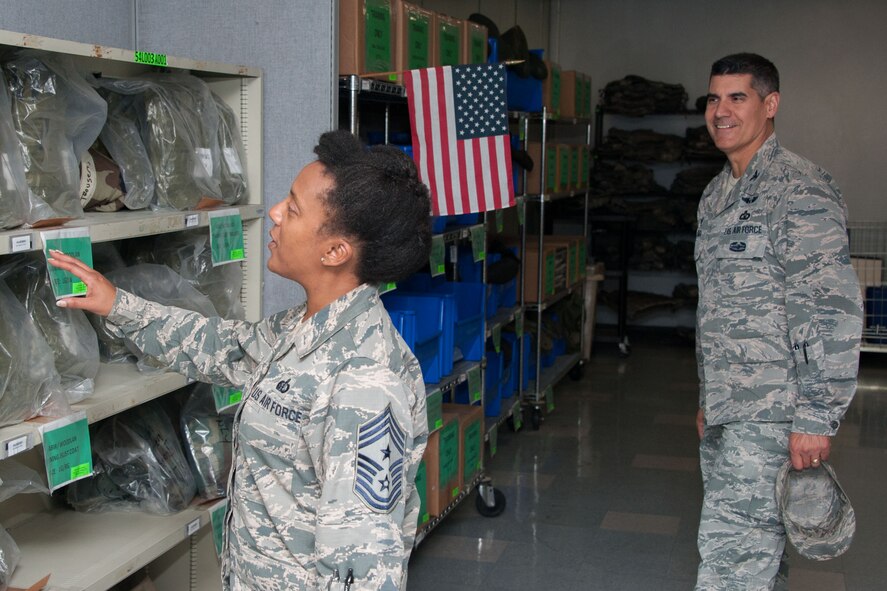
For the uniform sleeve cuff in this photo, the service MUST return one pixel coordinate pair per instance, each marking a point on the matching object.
(815, 425)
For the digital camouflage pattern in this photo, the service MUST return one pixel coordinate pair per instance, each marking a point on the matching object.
(778, 332)
(780, 313)
(818, 517)
(298, 516)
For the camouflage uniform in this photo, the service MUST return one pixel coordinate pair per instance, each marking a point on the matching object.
(778, 331)
(327, 440)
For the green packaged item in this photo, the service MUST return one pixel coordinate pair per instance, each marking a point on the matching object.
(14, 202)
(232, 176)
(207, 436)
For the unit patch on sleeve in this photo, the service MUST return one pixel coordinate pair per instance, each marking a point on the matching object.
(379, 471)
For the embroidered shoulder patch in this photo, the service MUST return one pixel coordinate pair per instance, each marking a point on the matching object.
(378, 479)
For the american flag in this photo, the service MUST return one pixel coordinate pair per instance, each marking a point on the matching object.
(460, 136)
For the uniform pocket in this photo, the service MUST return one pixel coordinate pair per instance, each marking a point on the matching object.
(742, 270)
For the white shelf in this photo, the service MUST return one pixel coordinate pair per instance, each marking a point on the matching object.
(119, 386)
(105, 227)
(92, 551)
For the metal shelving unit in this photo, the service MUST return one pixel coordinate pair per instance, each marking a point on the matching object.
(868, 253)
(535, 396)
(88, 551)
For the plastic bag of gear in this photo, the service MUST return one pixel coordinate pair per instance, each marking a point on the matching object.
(139, 465)
(29, 382)
(123, 142)
(56, 116)
(14, 203)
(207, 438)
(68, 333)
(15, 479)
(157, 283)
(233, 176)
(179, 125)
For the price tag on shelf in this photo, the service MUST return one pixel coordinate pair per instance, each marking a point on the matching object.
(478, 243)
(549, 398)
(500, 221)
(192, 220)
(217, 519)
(192, 528)
(226, 397)
(521, 210)
(475, 387)
(17, 445)
(66, 450)
(517, 415)
(438, 253)
(20, 243)
(150, 59)
(519, 324)
(386, 287)
(74, 242)
(497, 338)
(226, 236)
(494, 436)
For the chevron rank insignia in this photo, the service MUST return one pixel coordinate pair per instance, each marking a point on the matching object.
(379, 474)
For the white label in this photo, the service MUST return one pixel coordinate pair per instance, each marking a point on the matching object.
(87, 179)
(233, 160)
(206, 159)
(16, 446)
(192, 220)
(454, 253)
(193, 527)
(20, 243)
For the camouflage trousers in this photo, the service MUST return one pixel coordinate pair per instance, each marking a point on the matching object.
(741, 538)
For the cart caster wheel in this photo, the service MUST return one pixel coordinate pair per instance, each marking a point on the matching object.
(577, 372)
(536, 418)
(497, 508)
(624, 349)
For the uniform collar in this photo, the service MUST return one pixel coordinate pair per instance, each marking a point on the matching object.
(746, 188)
(328, 321)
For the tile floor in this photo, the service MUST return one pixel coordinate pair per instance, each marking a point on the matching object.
(606, 494)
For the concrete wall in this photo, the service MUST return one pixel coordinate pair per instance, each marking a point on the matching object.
(831, 57)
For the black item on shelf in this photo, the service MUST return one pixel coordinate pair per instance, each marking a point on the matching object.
(701, 103)
(692, 181)
(621, 178)
(642, 144)
(636, 96)
(506, 268)
(482, 19)
(699, 144)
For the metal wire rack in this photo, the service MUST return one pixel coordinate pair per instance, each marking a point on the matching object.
(868, 253)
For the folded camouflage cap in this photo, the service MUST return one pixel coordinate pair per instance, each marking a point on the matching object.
(818, 518)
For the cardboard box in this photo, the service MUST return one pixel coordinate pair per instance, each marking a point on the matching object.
(534, 179)
(422, 489)
(442, 469)
(584, 166)
(530, 276)
(447, 41)
(413, 25)
(474, 42)
(551, 89)
(564, 164)
(575, 95)
(471, 439)
(576, 255)
(366, 36)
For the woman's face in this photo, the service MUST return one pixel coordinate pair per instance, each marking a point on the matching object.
(297, 243)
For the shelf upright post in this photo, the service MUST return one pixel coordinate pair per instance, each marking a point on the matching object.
(354, 114)
(541, 259)
(525, 128)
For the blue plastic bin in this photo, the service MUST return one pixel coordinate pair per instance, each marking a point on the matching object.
(524, 94)
(469, 328)
(425, 321)
(493, 385)
(438, 224)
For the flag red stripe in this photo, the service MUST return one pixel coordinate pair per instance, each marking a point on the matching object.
(444, 146)
(431, 155)
(463, 177)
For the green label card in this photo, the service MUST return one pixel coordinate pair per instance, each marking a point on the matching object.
(226, 397)
(550, 169)
(500, 221)
(478, 47)
(549, 274)
(555, 91)
(151, 59)
(449, 453)
(378, 36)
(449, 37)
(226, 236)
(472, 442)
(438, 253)
(422, 489)
(494, 437)
(564, 168)
(549, 398)
(478, 242)
(521, 210)
(434, 410)
(386, 287)
(519, 324)
(475, 387)
(217, 519)
(419, 41)
(497, 338)
(66, 450)
(574, 167)
(583, 258)
(517, 415)
(74, 242)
